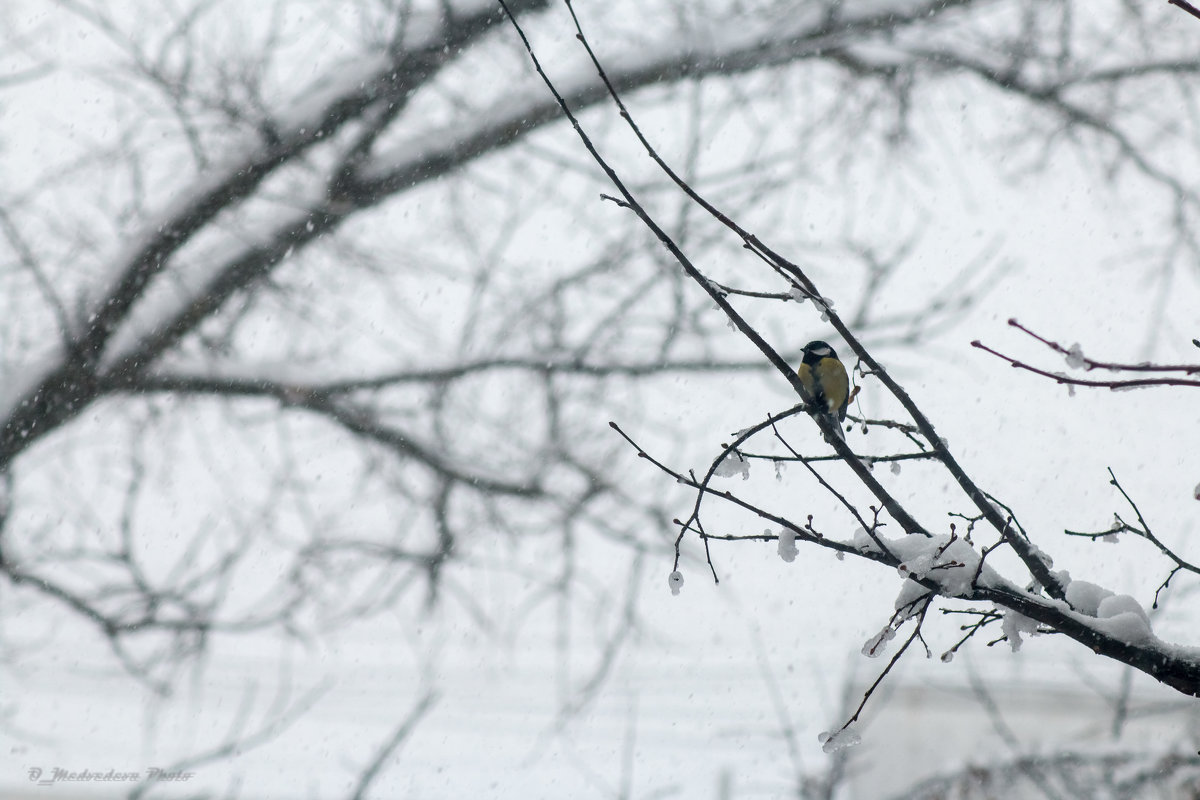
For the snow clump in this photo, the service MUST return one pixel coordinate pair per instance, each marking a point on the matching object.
(787, 545)
(675, 581)
(1015, 624)
(839, 740)
(1086, 597)
(733, 464)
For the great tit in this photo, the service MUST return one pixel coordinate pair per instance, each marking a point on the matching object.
(824, 376)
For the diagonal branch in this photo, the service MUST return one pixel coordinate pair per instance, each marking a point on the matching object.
(398, 737)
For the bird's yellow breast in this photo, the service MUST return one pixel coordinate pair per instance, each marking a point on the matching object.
(827, 381)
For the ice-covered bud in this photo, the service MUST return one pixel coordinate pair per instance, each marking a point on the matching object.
(840, 739)
(787, 545)
(917, 567)
(875, 646)
(1075, 359)
(675, 581)
(733, 464)
(895, 467)
(798, 294)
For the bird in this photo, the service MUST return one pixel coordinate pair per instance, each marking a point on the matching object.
(824, 377)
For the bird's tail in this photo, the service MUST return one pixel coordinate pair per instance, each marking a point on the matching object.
(837, 425)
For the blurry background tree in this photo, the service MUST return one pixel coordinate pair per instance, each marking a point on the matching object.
(310, 310)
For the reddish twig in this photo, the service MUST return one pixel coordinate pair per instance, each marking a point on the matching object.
(1090, 364)
(1063, 378)
(1083, 362)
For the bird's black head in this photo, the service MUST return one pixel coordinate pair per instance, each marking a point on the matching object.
(816, 350)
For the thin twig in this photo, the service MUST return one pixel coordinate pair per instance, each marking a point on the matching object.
(1063, 378)
(801, 533)
(1090, 364)
(817, 459)
(726, 451)
(870, 529)
(892, 663)
(389, 747)
(985, 618)
(1074, 355)
(1143, 530)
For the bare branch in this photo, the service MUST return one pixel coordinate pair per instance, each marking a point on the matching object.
(388, 749)
(1142, 529)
